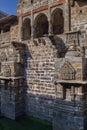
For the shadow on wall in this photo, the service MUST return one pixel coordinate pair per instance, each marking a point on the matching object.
(40, 105)
(59, 44)
(36, 105)
(82, 2)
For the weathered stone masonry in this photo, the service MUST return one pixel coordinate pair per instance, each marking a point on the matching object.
(43, 73)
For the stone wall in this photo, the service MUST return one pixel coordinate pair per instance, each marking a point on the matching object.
(79, 18)
(40, 71)
(12, 99)
(14, 33)
(12, 79)
(55, 65)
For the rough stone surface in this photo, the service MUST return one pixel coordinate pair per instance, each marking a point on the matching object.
(53, 62)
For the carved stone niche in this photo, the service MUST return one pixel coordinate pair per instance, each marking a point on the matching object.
(73, 38)
(12, 59)
(75, 51)
(3, 56)
(6, 70)
(67, 71)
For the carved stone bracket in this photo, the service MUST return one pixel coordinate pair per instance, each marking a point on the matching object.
(73, 37)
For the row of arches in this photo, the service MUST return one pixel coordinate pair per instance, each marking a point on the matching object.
(41, 25)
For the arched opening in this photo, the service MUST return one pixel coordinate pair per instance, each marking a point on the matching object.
(58, 21)
(40, 26)
(26, 29)
(6, 28)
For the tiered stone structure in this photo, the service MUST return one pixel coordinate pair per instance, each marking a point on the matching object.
(12, 79)
(50, 36)
(11, 69)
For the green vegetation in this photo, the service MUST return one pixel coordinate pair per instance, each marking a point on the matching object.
(24, 123)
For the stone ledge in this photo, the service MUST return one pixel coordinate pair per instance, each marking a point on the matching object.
(11, 78)
(71, 81)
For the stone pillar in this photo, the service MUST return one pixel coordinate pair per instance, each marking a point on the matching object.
(32, 25)
(2, 31)
(20, 29)
(12, 81)
(67, 17)
(12, 105)
(50, 31)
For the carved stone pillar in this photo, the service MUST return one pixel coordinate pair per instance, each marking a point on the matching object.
(32, 25)
(67, 17)
(50, 31)
(20, 29)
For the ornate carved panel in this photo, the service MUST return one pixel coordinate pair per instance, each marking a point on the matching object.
(67, 71)
(3, 56)
(73, 38)
(11, 59)
(6, 70)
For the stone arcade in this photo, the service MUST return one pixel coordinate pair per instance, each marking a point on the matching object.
(43, 62)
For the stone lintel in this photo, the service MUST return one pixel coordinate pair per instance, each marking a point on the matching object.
(71, 82)
(11, 78)
(70, 32)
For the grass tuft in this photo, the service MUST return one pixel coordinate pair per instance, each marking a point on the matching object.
(24, 123)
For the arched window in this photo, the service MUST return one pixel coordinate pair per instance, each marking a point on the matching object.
(40, 26)
(26, 29)
(57, 21)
